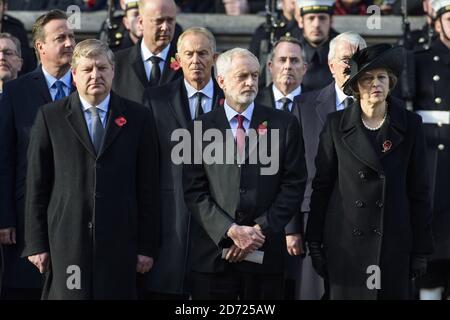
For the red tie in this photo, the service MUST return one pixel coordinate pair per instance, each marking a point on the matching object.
(240, 134)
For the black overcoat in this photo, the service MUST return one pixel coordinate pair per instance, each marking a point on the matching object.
(385, 198)
(96, 212)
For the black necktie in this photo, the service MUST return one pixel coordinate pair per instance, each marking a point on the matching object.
(155, 75)
(348, 102)
(97, 129)
(198, 105)
(285, 104)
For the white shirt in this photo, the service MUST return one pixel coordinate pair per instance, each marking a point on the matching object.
(102, 112)
(66, 79)
(278, 95)
(231, 113)
(207, 99)
(340, 97)
(146, 54)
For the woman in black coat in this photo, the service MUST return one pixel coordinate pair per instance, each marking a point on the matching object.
(374, 237)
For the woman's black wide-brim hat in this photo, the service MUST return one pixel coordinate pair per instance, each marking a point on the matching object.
(381, 55)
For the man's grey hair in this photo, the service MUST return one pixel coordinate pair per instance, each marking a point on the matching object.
(6, 35)
(224, 62)
(354, 39)
(198, 30)
(91, 48)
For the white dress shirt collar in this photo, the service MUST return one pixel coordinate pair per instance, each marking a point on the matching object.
(103, 106)
(340, 97)
(277, 94)
(207, 90)
(146, 53)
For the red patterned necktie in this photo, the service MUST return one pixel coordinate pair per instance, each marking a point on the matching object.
(240, 134)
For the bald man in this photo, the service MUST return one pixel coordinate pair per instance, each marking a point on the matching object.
(151, 62)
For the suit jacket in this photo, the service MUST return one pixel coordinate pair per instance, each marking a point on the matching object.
(95, 211)
(220, 194)
(130, 80)
(386, 200)
(21, 100)
(170, 107)
(266, 98)
(314, 106)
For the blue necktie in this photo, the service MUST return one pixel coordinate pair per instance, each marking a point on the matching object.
(59, 85)
(97, 130)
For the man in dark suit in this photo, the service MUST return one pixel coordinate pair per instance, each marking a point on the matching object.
(22, 97)
(11, 60)
(151, 62)
(315, 21)
(239, 209)
(16, 28)
(92, 197)
(174, 106)
(314, 107)
(260, 44)
(287, 67)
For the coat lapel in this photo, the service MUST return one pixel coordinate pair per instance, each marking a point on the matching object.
(258, 117)
(218, 98)
(168, 73)
(326, 102)
(179, 104)
(356, 140)
(138, 65)
(41, 85)
(392, 132)
(116, 109)
(77, 122)
(266, 98)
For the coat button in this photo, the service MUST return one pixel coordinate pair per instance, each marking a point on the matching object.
(377, 231)
(382, 176)
(359, 203)
(239, 214)
(436, 58)
(439, 124)
(362, 175)
(242, 190)
(421, 40)
(438, 100)
(90, 225)
(441, 147)
(357, 232)
(379, 204)
(436, 78)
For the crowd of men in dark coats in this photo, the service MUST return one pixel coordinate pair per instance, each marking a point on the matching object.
(67, 199)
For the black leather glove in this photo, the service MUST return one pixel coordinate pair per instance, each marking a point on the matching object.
(418, 266)
(318, 259)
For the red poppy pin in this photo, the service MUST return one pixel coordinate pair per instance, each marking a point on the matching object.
(262, 128)
(221, 102)
(387, 145)
(120, 121)
(174, 65)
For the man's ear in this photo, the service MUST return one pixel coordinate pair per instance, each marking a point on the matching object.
(300, 21)
(215, 56)
(220, 81)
